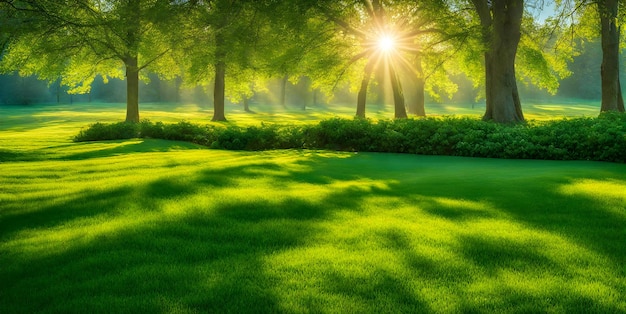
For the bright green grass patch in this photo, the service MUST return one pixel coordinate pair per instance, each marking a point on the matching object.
(158, 226)
(201, 230)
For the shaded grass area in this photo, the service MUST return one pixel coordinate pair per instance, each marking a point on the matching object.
(162, 226)
(293, 231)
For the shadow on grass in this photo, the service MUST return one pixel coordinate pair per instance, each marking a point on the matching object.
(121, 147)
(87, 205)
(213, 257)
(7, 155)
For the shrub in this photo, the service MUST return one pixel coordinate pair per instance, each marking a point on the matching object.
(102, 132)
(602, 138)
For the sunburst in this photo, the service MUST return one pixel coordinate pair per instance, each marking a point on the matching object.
(386, 43)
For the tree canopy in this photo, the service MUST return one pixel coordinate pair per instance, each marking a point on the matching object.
(415, 47)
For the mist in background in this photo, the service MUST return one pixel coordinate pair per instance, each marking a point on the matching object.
(584, 84)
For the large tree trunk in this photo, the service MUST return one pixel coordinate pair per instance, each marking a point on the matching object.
(132, 89)
(246, 104)
(362, 96)
(398, 96)
(611, 90)
(620, 98)
(220, 80)
(501, 25)
(219, 92)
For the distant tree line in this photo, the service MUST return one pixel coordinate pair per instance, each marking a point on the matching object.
(18, 90)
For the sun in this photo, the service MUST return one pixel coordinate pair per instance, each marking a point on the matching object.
(386, 43)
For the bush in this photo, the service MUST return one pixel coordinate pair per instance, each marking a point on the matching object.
(602, 138)
(102, 132)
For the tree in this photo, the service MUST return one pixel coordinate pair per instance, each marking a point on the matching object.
(298, 45)
(500, 23)
(365, 24)
(401, 41)
(612, 99)
(591, 19)
(78, 40)
(222, 36)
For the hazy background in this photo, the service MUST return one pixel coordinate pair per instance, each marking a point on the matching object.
(583, 84)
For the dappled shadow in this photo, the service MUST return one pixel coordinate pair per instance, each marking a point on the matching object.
(263, 210)
(209, 261)
(212, 253)
(49, 214)
(121, 147)
(498, 254)
(12, 155)
(369, 294)
(455, 210)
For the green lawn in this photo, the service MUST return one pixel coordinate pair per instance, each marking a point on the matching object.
(156, 226)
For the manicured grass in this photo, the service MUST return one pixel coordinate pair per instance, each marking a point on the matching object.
(158, 226)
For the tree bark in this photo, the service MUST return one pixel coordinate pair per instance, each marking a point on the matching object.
(362, 96)
(398, 95)
(620, 98)
(246, 104)
(219, 92)
(420, 108)
(283, 91)
(220, 80)
(133, 33)
(58, 91)
(611, 89)
(132, 89)
(501, 23)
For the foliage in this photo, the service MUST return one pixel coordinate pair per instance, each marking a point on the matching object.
(102, 131)
(78, 41)
(602, 138)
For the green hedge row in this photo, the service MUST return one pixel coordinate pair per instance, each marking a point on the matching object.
(602, 138)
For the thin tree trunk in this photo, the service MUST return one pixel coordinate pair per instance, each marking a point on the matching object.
(398, 96)
(58, 91)
(503, 102)
(362, 96)
(132, 89)
(220, 80)
(283, 91)
(611, 90)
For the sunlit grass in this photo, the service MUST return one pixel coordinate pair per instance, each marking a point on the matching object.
(158, 226)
